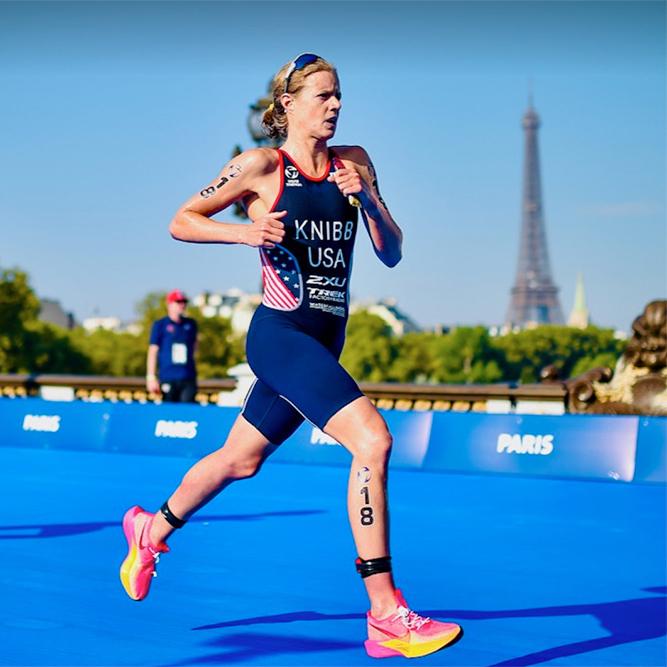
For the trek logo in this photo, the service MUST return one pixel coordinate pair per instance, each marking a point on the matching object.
(292, 174)
(319, 437)
(515, 443)
(44, 423)
(326, 294)
(175, 429)
(326, 281)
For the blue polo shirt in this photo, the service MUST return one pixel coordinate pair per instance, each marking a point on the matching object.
(176, 342)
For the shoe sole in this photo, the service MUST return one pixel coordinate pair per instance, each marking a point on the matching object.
(128, 565)
(390, 648)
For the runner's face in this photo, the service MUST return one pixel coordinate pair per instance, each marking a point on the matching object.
(317, 105)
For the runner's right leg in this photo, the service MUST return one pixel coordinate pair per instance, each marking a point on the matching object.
(243, 453)
(241, 456)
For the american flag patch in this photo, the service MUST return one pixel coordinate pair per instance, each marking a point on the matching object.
(281, 276)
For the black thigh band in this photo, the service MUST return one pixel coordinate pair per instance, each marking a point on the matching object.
(373, 566)
(171, 518)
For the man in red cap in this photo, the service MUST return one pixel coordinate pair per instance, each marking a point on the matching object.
(172, 349)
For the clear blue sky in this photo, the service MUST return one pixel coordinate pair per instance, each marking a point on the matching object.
(112, 114)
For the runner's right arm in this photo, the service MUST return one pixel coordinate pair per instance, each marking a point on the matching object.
(239, 178)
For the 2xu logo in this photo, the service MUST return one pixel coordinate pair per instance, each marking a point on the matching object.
(326, 281)
(176, 429)
(44, 423)
(509, 443)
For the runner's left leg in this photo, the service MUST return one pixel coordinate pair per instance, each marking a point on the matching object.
(362, 430)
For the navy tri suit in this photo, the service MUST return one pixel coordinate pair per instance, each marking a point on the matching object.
(296, 335)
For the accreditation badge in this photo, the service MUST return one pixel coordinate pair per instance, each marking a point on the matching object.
(179, 353)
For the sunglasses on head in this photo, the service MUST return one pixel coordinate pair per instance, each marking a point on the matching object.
(298, 64)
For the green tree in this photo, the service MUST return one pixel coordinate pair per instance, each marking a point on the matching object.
(112, 353)
(19, 308)
(152, 307)
(372, 353)
(415, 358)
(26, 344)
(466, 355)
(51, 349)
(218, 348)
(369, 348)
(588, 363)
(526, 352)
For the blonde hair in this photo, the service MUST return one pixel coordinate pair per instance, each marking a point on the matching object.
(274, 120)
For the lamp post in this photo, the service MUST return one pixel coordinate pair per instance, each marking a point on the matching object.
(254, 122)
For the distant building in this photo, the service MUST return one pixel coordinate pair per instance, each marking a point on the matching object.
(239, 306)
(579, 317)
(234, 304)
(243, 312)
(111, 323)
(52, 312)
(388, 310)
(133, 328)
(107, 323)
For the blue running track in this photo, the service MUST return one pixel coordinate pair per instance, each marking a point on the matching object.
(538, 571)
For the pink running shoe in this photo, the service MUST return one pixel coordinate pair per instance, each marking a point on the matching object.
(407, 633)
(138, 568)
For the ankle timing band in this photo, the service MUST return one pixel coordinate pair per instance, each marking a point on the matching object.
(373, 566)
(171, 518)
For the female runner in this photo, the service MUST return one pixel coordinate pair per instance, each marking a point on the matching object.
(302, 200)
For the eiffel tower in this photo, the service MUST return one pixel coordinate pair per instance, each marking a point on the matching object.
(534, 296)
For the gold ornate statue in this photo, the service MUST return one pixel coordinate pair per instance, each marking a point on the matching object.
(638, 384)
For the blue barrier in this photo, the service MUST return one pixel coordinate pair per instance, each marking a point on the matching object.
(555, 446)
(600, 447)
(32, 422)
(651, 463)
(169, 429)
(410, 431)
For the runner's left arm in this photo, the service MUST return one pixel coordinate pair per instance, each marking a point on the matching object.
(359, 179)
